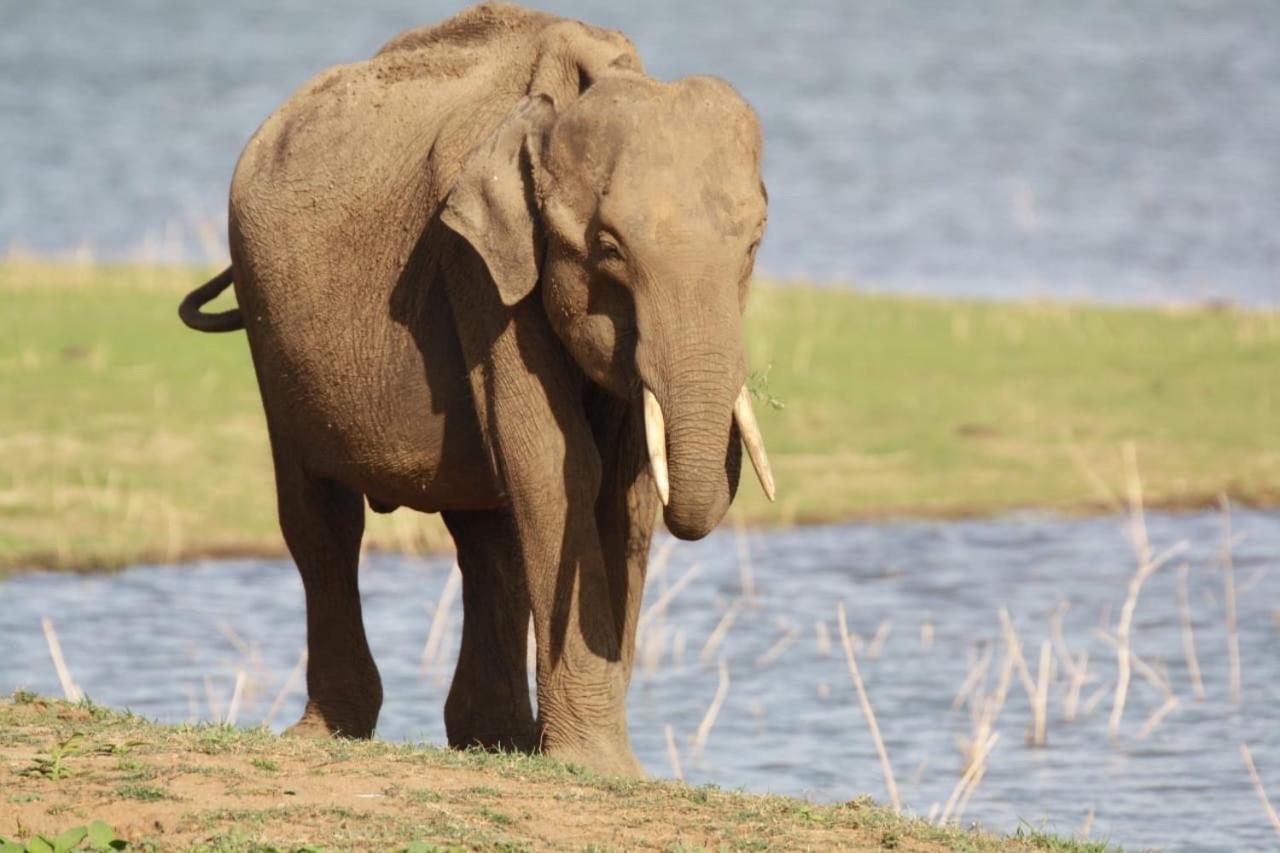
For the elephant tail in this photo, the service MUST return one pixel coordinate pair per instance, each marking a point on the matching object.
(224, 321)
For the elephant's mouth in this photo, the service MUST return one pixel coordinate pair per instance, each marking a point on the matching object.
(683, 516)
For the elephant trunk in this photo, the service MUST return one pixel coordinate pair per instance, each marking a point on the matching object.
(695, 427)
(697, 410)
(702, 456)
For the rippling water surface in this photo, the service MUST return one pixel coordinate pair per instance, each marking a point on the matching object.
(1114, 151)
(922, 597)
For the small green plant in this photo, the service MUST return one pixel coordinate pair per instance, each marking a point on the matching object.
(52, 765)
(24, 697)
(96, 836)
(758, 385)
(497, 818)
(146, 793)
(266, 764)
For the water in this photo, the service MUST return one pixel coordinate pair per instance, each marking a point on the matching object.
(147, 638)
(1101, 150)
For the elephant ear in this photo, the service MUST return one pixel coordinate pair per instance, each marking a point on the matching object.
(493, 204)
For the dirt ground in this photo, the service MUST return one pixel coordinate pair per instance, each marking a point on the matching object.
(219, 788)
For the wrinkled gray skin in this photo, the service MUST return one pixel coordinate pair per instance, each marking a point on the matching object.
(457, 264)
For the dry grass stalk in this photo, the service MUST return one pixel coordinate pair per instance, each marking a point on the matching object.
(1040, 705)
(210, 696)
(1075, 683)
(1065, 658)
(976, 780)
(678, 643)
(867, 711)
(1096, 697)
(69, 688)
(1257, 786)
(1147, 565)
(1086, 826)
(719, 632)
(1229, 591)
(1153, 676)
(881, 637)
(967, 778)
(1014, 646)
(775, 651)
(673, 754)
(823, 637)
(440, 619)
(237, 694)
(713, 710)
(289, 683)
(1188, 634)
(975, 675)
(926, 636)
(659, 607)
(654, 642)
(984, 712)
(1159, 714)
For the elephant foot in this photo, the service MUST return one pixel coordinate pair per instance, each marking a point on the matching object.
(319, 722)
(495, 736)
(608, 757)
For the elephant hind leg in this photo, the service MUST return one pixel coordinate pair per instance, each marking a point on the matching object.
(488, 703)
(323, 522)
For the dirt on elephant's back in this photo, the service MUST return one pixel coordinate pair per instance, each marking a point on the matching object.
(217, 787)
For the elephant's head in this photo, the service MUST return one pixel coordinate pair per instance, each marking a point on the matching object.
(638, 208)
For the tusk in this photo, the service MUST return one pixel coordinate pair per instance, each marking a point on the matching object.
(655, 437)
(745, 417)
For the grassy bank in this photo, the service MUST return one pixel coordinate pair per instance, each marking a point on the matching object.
(123, 436)
(219, 788)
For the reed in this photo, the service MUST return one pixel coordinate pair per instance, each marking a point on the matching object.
(779, 646)
(295, 675)
(1188, 634)
(885, 765)
(1147, 566)
(1040, 705)
(876, 646)
(969, 780)
(673, 752)
(713, 711)
(717, 635)
(237, 695)
(69, 689)
(440, 620)
(659, 607)
(1259, 788)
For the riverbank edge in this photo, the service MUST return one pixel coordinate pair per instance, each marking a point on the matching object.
(131, 439)
(219, 787)
(88, 563)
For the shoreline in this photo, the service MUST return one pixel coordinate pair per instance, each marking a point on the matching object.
(264, 550)
(126, 437)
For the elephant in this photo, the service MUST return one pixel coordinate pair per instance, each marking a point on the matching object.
(498, 272)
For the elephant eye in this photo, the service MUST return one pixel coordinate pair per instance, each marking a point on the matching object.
(608, 248)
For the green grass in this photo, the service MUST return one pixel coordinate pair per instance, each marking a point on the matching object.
(336, 795)
(124, 436)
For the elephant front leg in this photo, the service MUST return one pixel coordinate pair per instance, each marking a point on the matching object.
(583, 673)
(529, 400)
